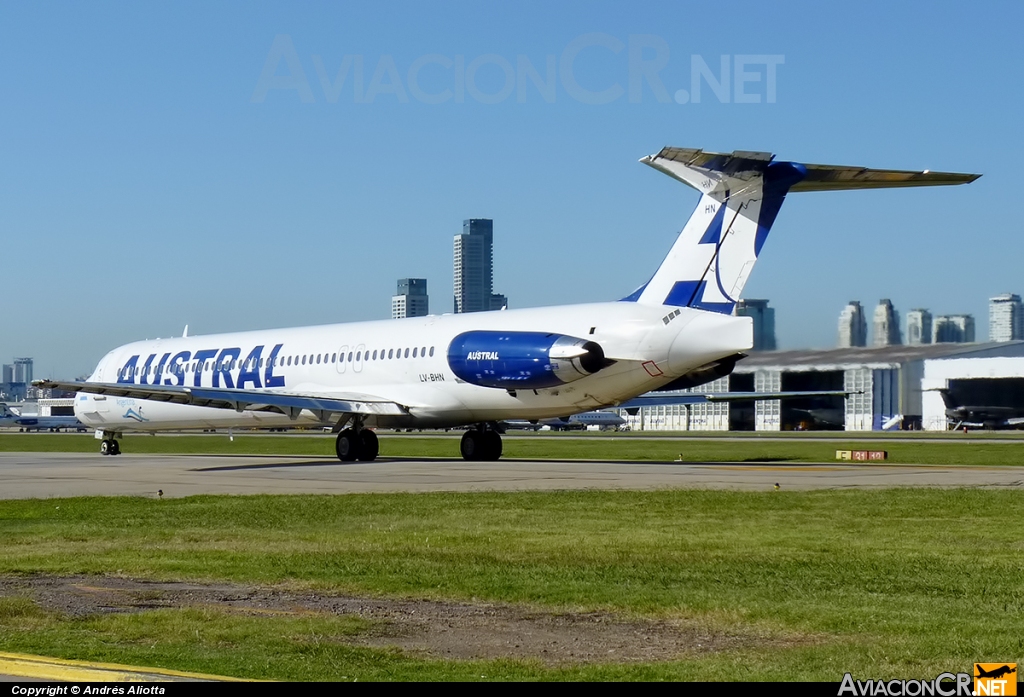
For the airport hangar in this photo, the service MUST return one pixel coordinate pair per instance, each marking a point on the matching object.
(896, 386)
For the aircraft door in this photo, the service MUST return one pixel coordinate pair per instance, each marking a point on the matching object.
(357, 365)
(342, 359)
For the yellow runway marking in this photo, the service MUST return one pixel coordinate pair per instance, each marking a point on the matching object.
(45, 668)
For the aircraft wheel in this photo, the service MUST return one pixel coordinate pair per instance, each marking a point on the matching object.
(105, 447)
(115, 448)
(492, 445)
(369, 445)
(347, 445)
(472, 446)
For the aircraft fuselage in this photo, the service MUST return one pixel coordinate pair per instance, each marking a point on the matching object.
(413, 362)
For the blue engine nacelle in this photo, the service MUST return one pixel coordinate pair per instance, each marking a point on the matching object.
(523, 360)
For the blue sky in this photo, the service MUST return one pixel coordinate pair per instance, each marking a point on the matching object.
(152, 174)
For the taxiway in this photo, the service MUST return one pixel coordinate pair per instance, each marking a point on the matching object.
(48, 475)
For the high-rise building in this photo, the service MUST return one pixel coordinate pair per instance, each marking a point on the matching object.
(411, 299)
(886, 325)
(23, 370)
(953, 329)
(764, 322)
(919, 327)
(474, 265)
(853, 327)
(17, 379)
(1005, 318)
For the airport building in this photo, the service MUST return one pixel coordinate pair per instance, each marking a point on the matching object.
(474, 268)
(1005, 318)
(985, 380)
(887, 382)
(411, 299)
(764, 322)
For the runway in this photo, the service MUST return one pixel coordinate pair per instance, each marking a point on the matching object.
(48, 475)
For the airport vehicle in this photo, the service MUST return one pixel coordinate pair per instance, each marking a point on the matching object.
(479, 369)
(34, 422)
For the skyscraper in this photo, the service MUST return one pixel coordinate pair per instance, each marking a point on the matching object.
(919, 327)
(411, 299)
(953, 329)
(474, 264)
(764, 322)
(853, 327)
(23, 370)
(1005, 318)
(886, 325)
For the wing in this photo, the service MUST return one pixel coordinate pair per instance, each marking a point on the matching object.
(287, 403)
(653, 399)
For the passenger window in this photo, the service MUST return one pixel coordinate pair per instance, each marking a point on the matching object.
(423, 352)
(390, 352)
(318, 359)
(431, 351)
(407, 353)
(334, 358)
(359, 355)
(414, 353)
(375, 354)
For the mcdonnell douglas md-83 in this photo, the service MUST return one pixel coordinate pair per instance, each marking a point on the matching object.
(477, 370)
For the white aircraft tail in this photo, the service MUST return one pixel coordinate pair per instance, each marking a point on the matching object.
(741, 194)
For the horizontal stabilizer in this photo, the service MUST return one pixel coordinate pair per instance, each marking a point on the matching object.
(664, 399)
(693, 166)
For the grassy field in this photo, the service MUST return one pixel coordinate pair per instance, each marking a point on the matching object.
(946, 451)
(880, 583)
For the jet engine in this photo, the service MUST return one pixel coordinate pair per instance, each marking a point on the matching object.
(523, 360)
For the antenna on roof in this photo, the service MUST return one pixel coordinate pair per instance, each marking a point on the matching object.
(184, 334)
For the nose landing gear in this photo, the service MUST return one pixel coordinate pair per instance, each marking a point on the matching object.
(109, 446)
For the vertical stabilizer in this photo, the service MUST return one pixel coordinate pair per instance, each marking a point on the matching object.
(741, 194)
(713, 256)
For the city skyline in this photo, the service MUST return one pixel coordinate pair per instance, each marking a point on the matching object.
(185, 157)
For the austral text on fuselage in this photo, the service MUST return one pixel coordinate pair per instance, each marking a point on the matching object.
(482, 356)
(222, 362)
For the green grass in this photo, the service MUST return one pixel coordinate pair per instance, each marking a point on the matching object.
(944, 452)
(881, 583)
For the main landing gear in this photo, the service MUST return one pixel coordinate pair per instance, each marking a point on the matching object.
(357, 444)
(481, 444)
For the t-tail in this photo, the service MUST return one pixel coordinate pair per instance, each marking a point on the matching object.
(741, 194)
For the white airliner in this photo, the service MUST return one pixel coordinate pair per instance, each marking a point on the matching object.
(480, 369)
(586, 420)
(33, 422)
